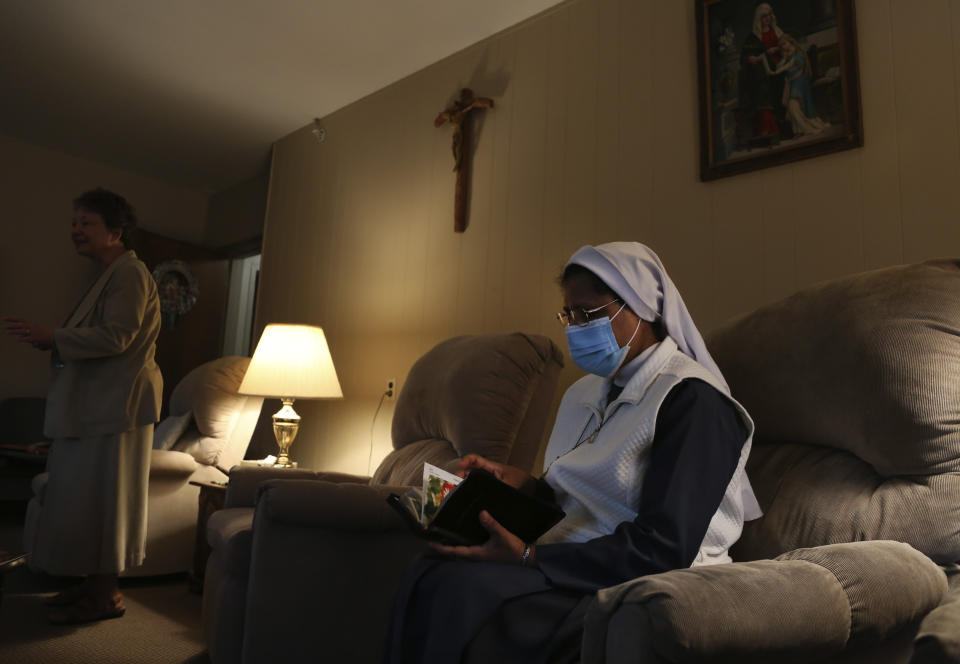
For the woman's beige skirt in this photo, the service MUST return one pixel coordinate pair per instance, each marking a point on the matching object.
(94, 514)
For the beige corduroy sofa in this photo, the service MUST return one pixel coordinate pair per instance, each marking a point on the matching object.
(309, 574)
(854, 385)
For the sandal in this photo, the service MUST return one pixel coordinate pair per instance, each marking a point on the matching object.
(86, 611)
(71, 595)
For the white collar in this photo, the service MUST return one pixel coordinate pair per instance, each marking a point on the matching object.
(630, 369)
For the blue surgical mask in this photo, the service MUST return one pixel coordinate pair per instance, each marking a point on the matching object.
(594, 347)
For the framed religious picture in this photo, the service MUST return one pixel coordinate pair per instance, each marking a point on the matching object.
(778, 82)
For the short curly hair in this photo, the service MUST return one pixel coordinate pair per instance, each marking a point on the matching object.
(116, 212)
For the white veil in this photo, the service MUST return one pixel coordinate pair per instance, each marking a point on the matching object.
(635, 273)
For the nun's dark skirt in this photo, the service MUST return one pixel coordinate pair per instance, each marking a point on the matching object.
(453, 610)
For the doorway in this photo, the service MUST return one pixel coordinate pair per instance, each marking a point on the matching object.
(241, 305)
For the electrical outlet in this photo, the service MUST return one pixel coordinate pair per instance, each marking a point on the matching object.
(391, 390)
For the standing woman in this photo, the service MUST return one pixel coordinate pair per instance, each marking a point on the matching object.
(104, 398)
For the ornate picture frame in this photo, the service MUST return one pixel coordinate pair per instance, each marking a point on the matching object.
(778, 81)
(177, 288)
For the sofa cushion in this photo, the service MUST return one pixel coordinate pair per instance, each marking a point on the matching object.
(205, 449)
(404, 467)
(852, 386)
(168, 432)
(210, 393)
(172, 464)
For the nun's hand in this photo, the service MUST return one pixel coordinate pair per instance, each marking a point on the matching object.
(502, 547)
(519, 479)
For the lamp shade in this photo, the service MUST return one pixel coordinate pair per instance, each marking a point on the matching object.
(292, 361)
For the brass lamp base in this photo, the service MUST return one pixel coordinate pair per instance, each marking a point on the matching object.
(286, 423)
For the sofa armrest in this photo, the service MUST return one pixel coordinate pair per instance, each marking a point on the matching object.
(803, 606)
(332, 555)
(938, 640)
(173, 464)
(245, 481)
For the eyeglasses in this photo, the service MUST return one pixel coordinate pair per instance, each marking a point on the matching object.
(579, 316)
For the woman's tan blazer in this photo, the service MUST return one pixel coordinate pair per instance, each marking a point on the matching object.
(105, 379)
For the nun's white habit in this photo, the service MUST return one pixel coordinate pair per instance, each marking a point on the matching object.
(688, 493)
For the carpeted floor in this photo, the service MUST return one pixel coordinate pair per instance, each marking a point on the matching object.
(161, 625)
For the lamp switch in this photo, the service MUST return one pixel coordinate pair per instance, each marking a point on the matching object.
(391, 391)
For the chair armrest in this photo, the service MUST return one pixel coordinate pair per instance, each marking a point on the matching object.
(938, 640)
(171, 463)
(332, 556)
(245, 481)
(805, 605)
(338, 506)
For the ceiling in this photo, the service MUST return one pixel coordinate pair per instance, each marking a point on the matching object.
(194, 92)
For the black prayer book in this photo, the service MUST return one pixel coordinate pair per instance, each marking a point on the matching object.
(457, 520)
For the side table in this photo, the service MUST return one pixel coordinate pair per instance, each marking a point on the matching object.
(212, 496)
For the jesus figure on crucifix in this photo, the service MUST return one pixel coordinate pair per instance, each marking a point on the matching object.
(458, 116)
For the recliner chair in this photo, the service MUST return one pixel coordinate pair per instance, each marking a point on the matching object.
(281, 571)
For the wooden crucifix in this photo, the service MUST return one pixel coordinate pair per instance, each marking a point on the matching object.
(458, 115)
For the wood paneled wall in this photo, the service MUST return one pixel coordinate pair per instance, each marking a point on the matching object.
(593, 138)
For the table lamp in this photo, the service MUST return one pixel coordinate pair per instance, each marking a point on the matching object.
(290, 362)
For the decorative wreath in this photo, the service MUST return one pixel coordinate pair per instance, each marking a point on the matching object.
(177, 288)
